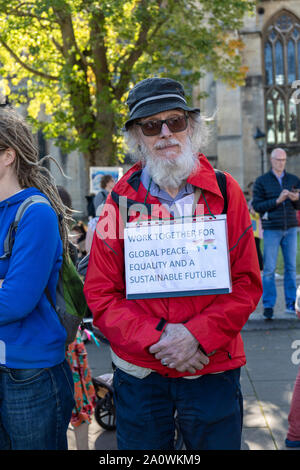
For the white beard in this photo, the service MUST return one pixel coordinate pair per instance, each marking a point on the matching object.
(171, 173)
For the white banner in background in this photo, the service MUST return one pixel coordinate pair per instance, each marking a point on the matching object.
(182, 257)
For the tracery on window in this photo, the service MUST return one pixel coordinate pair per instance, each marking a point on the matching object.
(281, 48)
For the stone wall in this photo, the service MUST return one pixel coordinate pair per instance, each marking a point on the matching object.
(240, 111)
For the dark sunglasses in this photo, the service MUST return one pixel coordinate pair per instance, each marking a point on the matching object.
(175, 124)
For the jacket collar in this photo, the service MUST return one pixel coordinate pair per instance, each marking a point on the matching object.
(204, 177)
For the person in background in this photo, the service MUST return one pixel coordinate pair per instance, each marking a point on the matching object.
(107, 183)
(77, 357)
(66, 199)
(257, 229)
(90, 206)
(180, 353)
(276, 199)
(78, 237)
(293, 434)
(36, 385)
(92, 224)
(84, 391)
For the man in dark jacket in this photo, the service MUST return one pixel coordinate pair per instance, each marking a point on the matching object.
(276, 198)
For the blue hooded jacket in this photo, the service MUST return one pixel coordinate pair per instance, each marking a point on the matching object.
(31, 335)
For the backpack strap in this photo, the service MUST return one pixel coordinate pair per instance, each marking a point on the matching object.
(10, 237)
(221, 178)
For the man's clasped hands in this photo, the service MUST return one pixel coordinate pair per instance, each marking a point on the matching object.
(178, 349)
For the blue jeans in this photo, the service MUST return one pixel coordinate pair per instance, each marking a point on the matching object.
(35, 408)
(287, 240)
(209, 411)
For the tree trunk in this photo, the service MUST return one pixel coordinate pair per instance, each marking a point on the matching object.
(101, 150)
(103, 155)
(99, 156)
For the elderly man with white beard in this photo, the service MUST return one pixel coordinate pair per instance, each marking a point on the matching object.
(181, 351)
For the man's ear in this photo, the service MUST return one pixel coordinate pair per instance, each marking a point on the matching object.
(10, 156)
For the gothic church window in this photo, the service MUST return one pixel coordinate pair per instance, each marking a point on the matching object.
(281, 63)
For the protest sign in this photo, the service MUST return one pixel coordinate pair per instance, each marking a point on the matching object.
(187, 256)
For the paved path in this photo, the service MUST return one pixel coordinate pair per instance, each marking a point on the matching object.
(267, 380)
(267, 384)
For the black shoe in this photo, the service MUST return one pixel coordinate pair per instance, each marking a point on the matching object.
(268, 313)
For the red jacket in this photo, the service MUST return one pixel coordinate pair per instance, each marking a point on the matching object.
(132, 326)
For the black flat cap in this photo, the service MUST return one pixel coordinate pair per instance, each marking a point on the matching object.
(154, 95)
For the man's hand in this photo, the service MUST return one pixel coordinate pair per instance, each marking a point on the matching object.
(282, 196)
(294, 196)
(178, 349)
(196, 362)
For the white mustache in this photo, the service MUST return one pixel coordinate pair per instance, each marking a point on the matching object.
(167, 143)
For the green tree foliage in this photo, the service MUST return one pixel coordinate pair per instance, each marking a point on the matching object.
(72, 62)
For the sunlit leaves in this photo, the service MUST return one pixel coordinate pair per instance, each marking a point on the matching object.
(73, 61)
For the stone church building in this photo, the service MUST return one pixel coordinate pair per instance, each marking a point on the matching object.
(265, 106)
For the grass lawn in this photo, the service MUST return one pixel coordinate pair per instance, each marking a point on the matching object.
(280, 266)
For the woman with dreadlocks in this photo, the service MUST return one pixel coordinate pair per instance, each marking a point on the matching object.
(36, 387)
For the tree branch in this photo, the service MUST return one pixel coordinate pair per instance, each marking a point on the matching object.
(57, 45)
(23, 4)
(64, 20)
(18, 12)
(25, 66)
(27, 15)
(137, 51)
(79, 91)
(99, 51)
